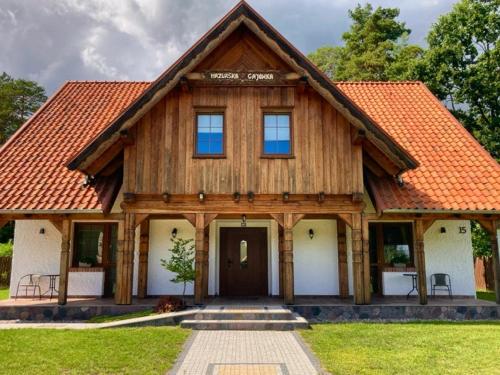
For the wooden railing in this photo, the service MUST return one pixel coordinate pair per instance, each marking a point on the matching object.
(5, 267)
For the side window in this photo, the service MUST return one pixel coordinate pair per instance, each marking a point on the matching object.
(277, 134)
(209, 134)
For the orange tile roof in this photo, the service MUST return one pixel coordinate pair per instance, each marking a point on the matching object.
(454, 173)
(32, 171)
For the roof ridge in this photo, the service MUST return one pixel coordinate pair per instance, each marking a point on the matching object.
(105, 81)
(416, 82)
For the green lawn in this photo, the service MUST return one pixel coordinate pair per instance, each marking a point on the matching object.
(487, 295)
(114, 318)
(4, 292)
(407, 348)
(151, 350)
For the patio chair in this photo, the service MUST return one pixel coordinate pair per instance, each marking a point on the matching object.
(30, 281)
(441, 281)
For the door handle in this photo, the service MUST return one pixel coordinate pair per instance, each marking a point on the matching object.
(229, 263)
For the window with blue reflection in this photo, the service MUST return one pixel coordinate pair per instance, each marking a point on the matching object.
(277, 134)
(210, 134)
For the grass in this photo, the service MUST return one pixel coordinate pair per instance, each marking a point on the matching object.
(4, 292)
(487, 295)
(407, 348)
(114, 318)
(151, 350)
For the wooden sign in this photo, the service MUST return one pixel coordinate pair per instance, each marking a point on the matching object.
(243, 77)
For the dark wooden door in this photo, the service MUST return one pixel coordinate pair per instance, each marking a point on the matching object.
(243, 261)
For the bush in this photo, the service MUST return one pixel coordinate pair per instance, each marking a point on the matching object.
(6, 249)
(169, 304)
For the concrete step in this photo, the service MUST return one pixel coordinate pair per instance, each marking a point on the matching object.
(247, 325)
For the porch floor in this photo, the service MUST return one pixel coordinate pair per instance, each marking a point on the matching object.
(256, 301)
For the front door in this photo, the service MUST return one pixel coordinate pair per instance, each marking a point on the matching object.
(243, 261)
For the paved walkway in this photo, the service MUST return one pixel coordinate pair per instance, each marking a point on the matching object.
(245, 353)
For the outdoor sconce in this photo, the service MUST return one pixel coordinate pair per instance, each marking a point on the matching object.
(174, 232)
(321, 197)
(399, 180)
(236, 196)
(442, 230)
(251, 196)
(311, 233)
(42, 231)
(201, 196)
(165, 196)
(286, 196)
(243, 220)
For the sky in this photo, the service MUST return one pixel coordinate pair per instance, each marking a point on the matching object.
(52, 41)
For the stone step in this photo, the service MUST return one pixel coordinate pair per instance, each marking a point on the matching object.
(247, 325)
(231, 314)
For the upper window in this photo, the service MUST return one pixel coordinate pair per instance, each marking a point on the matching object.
(209, 134)
(277, 137)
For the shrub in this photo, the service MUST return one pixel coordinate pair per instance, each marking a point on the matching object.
(169, 304)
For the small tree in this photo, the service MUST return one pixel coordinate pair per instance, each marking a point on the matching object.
(181, 262)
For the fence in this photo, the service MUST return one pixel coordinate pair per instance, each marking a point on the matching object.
(5, 266)
(483, 270)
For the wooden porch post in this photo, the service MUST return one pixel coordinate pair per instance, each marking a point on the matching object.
(125, 260)
(495, 248)
(357, 259)
(206, 244)
(288, 287)
(342, 261)
(199, 257)
(420, 261)
(365, 234)
(64, 262)
(142, 278)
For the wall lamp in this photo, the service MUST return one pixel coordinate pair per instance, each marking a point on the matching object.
(243, 220)
(321, 197)
(251, 196)
(236, 196)
(311, 233)
(286, 196)
(442, 230)
(201, 196)
(42, 231)
(166, 197)
(174, 232)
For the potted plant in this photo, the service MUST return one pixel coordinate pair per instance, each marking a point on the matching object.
(86, 262)
(181, 262)
(400, 260)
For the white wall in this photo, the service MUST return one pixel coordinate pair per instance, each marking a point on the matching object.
(159, 242)
(315, 260)
(451, 253)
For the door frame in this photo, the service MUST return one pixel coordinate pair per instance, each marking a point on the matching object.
(258, 223)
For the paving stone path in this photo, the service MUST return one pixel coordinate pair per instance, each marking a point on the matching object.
(246, 353)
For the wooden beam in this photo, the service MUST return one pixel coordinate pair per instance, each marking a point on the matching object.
(420, 261)
(58, 224)
(209, 218)
(140, 218)
(357, 259)
(64, 262)
(358, 136)
(297, 218)
(342, 261)
(278, 218)
(281, 240)
(199, 257)
(142, 277)
(495, 248)
(426, 224)
(125, 260)
(288, 287)
(366, 261)
(346, 218)
(206, 246)
(191, 218)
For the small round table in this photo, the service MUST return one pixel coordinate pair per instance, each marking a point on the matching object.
(414, 283)
(52, 285)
